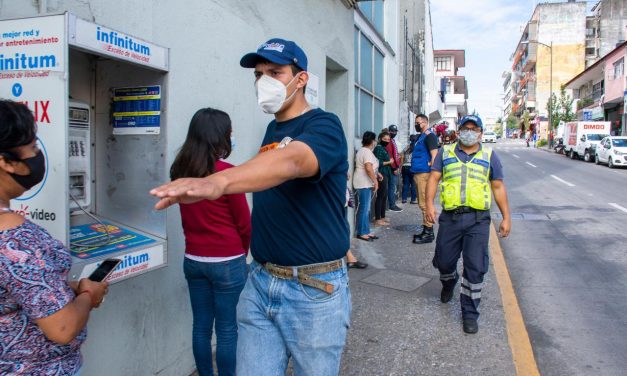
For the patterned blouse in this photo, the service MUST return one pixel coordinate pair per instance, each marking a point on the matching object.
(33, 273)
(383, 156)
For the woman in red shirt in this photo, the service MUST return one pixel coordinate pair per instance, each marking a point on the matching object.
(217, 238)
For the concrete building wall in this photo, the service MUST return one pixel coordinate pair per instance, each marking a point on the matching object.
(564, 25)
(614, 86)
(433, 103)
(612, 15)
(144, 328)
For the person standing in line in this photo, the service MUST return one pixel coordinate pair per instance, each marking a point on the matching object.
(365, 183)
(470, 175)
(385, 171)
(217, 238)
(424, 153)
(43, 317)
(300, 235)
(409, 186)
(392, 149)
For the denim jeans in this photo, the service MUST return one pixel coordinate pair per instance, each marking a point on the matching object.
(392, 190)
(214, 290)
(279, 318)
(364, 196)
(408, 185)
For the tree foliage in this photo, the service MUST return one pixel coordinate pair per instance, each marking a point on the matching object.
(560, 109)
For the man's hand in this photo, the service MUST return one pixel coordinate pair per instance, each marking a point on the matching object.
(430, 212)
(505, 227)
(375, 187)
(188, 190)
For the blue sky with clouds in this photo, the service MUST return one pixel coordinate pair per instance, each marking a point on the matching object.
(488, 30)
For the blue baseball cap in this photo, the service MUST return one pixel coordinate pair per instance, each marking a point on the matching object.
(278, 51)
(471, 118)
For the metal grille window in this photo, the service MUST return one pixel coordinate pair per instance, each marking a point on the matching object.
(443, 63)
(369, 85)
(619, 68)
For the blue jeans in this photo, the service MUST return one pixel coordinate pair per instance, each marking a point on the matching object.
(279, 318)
(392, 190)
(214, 290)
(364, 196)
(408, 185)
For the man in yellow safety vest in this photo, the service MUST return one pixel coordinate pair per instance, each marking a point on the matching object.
(469, 175)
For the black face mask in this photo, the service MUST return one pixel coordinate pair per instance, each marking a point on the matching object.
(383, 143)
(37, 166)
(392, 135)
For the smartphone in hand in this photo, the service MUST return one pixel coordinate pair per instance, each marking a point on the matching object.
(105, 269)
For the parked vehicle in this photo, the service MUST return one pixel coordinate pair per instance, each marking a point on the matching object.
(580, 136)
(612, 150)
(559, 146)
(489, 137)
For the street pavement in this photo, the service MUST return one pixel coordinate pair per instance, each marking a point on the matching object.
(400, 327)
(567, 256)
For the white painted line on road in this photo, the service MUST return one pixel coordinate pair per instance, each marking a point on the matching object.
(563, 181)
(531, 164)
(618, 207)
(516, 156)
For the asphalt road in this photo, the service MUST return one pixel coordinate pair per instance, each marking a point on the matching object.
(567, 257)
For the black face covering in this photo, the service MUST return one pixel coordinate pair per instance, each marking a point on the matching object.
(383, 143)
(37, 166)
(392, 135)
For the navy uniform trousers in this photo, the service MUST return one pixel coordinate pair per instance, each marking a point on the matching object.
(464, 234)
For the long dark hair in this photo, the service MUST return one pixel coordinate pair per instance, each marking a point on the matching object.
(17, 127)
(208, 139)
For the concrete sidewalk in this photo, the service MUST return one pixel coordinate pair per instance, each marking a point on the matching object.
(400, 327)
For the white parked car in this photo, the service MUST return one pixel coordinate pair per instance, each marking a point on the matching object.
(488, 137)
(612, 150)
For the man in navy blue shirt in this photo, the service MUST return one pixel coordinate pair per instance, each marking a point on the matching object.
(296, 302)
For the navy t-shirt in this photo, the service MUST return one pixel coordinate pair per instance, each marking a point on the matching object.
(496, 168)
(303, 221)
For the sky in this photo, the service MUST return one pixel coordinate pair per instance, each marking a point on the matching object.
(488, 30)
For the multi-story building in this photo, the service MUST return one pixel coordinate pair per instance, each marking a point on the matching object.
(507, 94)
(600, 90)
(549, 53)
(605, 29)
(453, 87)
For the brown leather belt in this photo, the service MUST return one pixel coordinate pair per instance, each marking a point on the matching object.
(303, 273)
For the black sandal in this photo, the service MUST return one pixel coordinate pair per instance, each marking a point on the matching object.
(357, 265)
(373, 237)
(368, 239)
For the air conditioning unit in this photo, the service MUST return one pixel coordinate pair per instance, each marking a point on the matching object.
(349, 3)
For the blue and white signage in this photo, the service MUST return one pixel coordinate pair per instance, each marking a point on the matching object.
(104, 41)
(33, 71)
(137, 110)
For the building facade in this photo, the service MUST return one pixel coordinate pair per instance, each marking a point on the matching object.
(606, 28)
(453, 88)
(551, 50)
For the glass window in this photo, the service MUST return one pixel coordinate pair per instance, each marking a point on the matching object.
(358, 131)
(378, 73)
(356, 57)
(366, 8)
(378, 116)
(366, 63)
(618, 69)
(378, 16)
(443, 63)
(365, 112)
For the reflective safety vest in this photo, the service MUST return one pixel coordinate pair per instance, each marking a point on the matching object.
(465, 184)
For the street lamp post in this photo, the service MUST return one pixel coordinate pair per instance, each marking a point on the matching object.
(550, 47)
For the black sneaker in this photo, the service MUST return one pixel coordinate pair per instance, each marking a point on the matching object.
(396, 209)
(447, 294)
(413, 202)
(471, 326)
(427, 236)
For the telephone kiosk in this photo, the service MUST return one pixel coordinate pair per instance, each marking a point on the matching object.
(98, 98)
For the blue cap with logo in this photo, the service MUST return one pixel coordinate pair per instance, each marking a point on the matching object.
(473, 119)
(278, 51)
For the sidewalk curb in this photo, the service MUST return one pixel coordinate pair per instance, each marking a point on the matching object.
(520, 345)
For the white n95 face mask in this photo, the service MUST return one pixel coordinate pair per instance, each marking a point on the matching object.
(271, 93)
